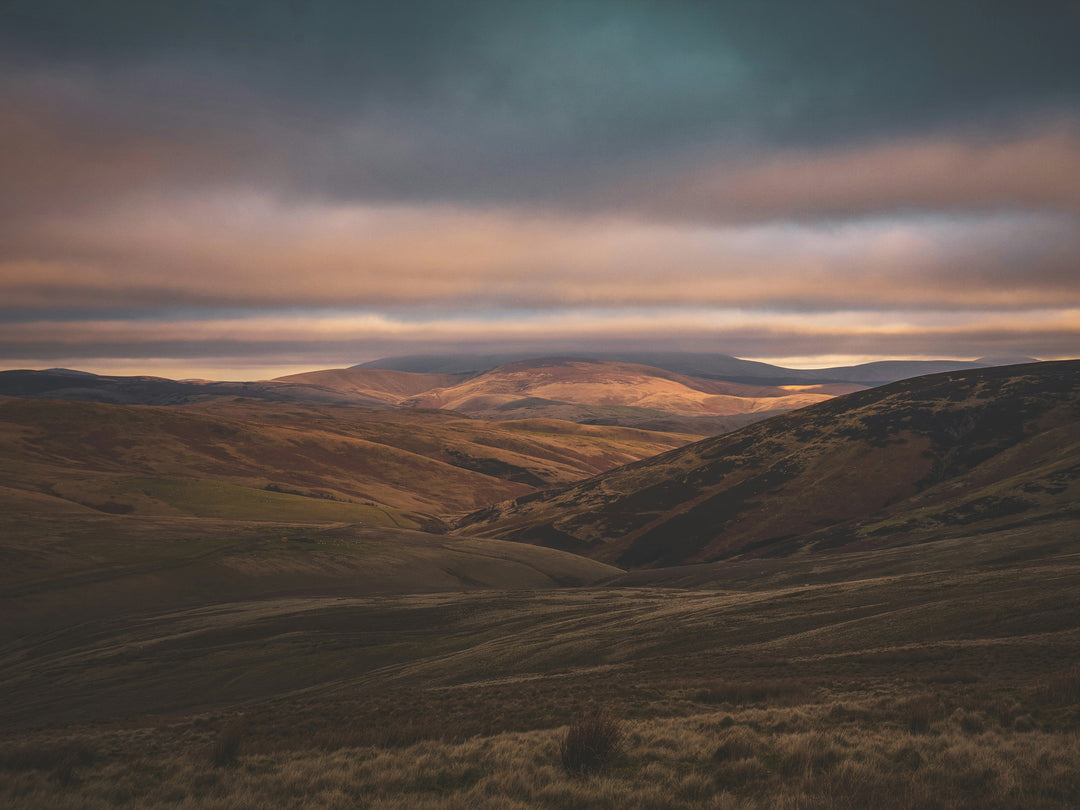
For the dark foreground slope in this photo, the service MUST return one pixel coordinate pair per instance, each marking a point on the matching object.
(949, 689)
(951, 453)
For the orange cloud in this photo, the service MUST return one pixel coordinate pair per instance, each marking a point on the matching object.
(251, 250)
(52, 163)
(334, 338)
(1041, 171)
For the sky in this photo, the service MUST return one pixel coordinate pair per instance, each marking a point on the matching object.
(237, 189)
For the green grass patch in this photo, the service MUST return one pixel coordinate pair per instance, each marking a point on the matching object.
(218, 499)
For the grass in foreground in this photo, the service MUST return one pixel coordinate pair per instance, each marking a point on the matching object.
(944, 689)
(816, 755)
(590, 744)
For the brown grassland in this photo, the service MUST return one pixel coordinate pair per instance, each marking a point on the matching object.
(245, 459)
(177, 633)
(942, 686)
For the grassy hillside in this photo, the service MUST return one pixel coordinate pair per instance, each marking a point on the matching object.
(246, 459)
(383, 385)
(944, 455)
(66, 569)
(947, 688)
(82, 386)
(108, 509)
(579, 390)
(585, 391)
(606, 383)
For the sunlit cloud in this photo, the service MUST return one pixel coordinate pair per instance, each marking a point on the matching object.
(253, 250)
(1038, 171)
(312, 340)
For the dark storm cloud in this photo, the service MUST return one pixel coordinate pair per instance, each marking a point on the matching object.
(841, 56)
(464, 159)
(1040, 171)
(526, 100)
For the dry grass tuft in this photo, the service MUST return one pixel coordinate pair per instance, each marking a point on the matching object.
(919, 712)
(807, 754)
(738, 742)
(969, 722)
(226, 753)
(590, 743)
(660, 762)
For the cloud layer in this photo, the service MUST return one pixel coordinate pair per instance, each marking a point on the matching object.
(796, 181)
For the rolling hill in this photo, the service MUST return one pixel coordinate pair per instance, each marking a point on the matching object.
(68, 567)
(579, 390)
(582, 391)
(81, 386)
(379, 385)
(247, 459)
(107, 509)
(680, 392)
(913, 461)
(607, 383)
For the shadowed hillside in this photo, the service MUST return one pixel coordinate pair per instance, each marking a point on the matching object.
(951, 689)
(65, 569)
(142, 390)
(947, 454)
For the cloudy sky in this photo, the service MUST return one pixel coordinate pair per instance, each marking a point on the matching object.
(243, 188)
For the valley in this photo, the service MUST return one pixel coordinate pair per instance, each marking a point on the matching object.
(229, 602)
(943, 689)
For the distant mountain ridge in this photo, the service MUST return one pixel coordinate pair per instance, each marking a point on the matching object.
(691, 393)
(897, 464)
(697, 364)
(598, 392)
